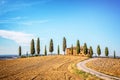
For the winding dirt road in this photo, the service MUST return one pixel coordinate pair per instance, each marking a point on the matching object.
(82, 66)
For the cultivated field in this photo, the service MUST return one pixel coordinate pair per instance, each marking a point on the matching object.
(106, 65)
(39, 68)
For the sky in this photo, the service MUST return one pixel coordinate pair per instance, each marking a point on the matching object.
(95, 22)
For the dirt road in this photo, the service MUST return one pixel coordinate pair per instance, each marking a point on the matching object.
(38, 68)
(82, 66)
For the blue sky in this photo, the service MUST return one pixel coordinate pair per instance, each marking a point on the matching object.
(91, 21)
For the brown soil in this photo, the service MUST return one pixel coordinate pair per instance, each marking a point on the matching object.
(106, 65)
(39, 68)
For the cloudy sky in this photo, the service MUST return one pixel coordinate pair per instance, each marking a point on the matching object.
(91, 21)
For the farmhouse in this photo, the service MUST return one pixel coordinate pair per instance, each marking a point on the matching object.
(68, 51)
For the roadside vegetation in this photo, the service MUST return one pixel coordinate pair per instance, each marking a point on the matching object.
(85, 76)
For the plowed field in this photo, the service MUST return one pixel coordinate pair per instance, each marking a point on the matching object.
(39, 68)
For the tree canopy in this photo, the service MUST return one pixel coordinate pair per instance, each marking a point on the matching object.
(45, 52)
(32, 47)
(64, 44)
(38, 46)
(71, 49)
(20, 52)
(106, 51)
(114, 54)
(85, 48)
(91, 51)
(78, 47)
(58, 50)
(98, 50)
(51, 48)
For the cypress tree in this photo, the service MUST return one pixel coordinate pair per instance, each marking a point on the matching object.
(98, 50)
(51, 49)
(32, 47)
(20, 52)
(114, 54)
(38, 46)
(91, 51)
(64, 45)
(58, 51)
(45, 52)
(71, 49)
(106, 51)
(78, 47)
(27, 54)
(85, 48)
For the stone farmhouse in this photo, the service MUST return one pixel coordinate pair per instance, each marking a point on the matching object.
(68, 51)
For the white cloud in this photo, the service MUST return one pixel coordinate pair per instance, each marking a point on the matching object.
(19, 37)
(21, 21)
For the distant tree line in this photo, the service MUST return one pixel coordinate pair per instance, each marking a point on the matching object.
(51, 48)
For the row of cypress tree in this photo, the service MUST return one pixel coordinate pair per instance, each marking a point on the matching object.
(51, 48)
(106, 51)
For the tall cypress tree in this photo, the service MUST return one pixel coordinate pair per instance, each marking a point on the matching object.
(51, 49)
(20, 51)
(106, 51)
(71, 49)
(91, 51)
(58, 50)
(114, 54)
(32, 47)
(98, 50)
(45, 52)
(78, 47)
(38, 46)
(64, 45)
(85, 49)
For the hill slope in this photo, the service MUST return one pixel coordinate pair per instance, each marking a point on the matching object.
(39, 68)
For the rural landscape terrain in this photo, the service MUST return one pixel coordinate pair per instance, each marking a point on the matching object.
(59, 40)
(39, 68)
(56, 68)
(108, 66)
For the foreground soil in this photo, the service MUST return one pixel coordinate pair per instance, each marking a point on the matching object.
(106, 65)
(39, 68)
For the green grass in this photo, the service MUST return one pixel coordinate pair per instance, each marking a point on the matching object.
(85, 76)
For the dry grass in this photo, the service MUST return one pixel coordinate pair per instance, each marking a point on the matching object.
(85, 76)
(106, 65)
(39, 68)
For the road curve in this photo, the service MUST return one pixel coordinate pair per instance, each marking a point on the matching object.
(82, 66)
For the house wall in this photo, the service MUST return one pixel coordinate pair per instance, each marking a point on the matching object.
(68, 51)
